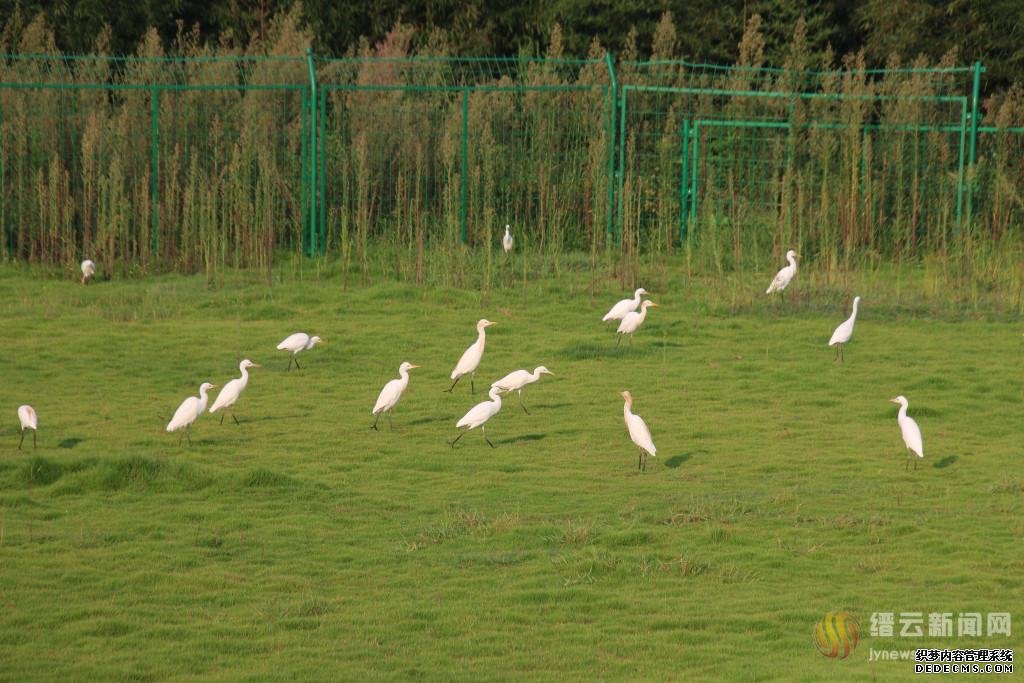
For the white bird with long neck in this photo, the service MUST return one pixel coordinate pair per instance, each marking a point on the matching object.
(189, 411)
(844, 332)
(478, 415)
(784, 276)
(391, 393)
(300, 341)
(910, 431)
(517, 379)
(88, 270)
(638, 432)
(29, 420)
(471, 357)
(619, 310)
(506, 241)
(631, 321)
(232, 390)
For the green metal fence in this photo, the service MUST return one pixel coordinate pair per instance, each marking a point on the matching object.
(193, 163)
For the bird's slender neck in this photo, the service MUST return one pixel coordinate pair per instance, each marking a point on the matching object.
(202, 393)
(636, 298)
(627, 409)
(903, 412)
(481, 336)
(536, 374)
(245, 373)
(792, 261)
(403, 374)
(495, 397)
(855, 303)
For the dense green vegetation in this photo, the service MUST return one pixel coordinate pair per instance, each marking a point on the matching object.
(302, 544)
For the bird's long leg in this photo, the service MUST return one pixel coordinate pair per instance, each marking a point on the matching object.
(449, 389)
(618, 340)
(644, 460)
(235, 418)
(842, 358)
(472, 382)
(907, 468)
(915, 464)
(33, 439)
(452, 443)
(523, 404)
(838, 346)
(180, 437)
(391, 427)
(290, 358)
(483, 430)
(297, 366)
(22, 439)
(639, 460)
(374, 425)
(188, 433)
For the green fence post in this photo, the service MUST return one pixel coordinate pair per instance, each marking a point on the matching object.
(622, 163)
(613, 101)
(693, 175)
(973, 140)
(154, 186)
(464, 181)
(960, 168)
(311, 245)
(322, 173)
(684, 184)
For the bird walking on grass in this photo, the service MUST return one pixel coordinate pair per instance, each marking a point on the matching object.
(232, 390)
(631, 321)
(189, 411)
(88, 270)
(517, 379)
(471, 357)
(844, 332)
(391, 393)
(29, 420)
(784, 276)
(506, 241)
(638, 432)
(619, 310)
(300, 341)
(910, 431)
(478, 415)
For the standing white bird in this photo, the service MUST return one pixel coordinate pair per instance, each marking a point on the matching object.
(910, 431)
(232, 390)
(638, 432)
(88, 270)
(391, 392)
(478, 415)
(631, 321)
(189, 411)
(300, 341)
(784, 276)
(844, 331)
(506, 241)
(29, 420)
(517, 379)
(471, 357)
(619, 310)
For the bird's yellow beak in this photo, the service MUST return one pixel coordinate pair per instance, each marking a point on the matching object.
(892, 400)
(654, 305)
(413, 366)
(257, 365)
(214, 386)
(551, 373)
(491, 323)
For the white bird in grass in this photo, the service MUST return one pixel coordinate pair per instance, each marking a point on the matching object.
(478, 415)
(189, 411)
(517, 379)
(232, 390)
(300, 341)
(471, 357)
(638, 432)
(391, 393)
(619, 310)
(506, 241)
(784, 276)
(631, 321)
(29, 420)
(88, 270)
(911, 432)
(844, 331)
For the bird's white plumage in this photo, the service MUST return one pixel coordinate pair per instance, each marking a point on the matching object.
(233, 389)
(471, 357)
(619, 310)
(506, 241)
(190, 409)
(393, 390)
(631, 321)
(638, 430)
(482, 412)
(28, 417)
(784, 276)
(844, 332)
(88, 270)
(300, 341)
(908, 428)
(517, 379)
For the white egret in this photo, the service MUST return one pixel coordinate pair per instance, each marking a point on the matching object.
(506, 241)
(619, 310)
(391, 393)
(300, 341)
(911, 432)
(29, 420)
(844, 331)
(471, 357)
(88, 270)
(232, 390)
(638, 432)
(517, 379)
(478, 415)
(631, 321)
(784, 276)
(189, 411)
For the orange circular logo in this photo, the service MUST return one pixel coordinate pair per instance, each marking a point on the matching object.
(836, 635)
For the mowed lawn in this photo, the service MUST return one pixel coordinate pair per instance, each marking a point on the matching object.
(303, 545)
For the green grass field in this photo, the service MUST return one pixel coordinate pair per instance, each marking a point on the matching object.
(303, 545)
